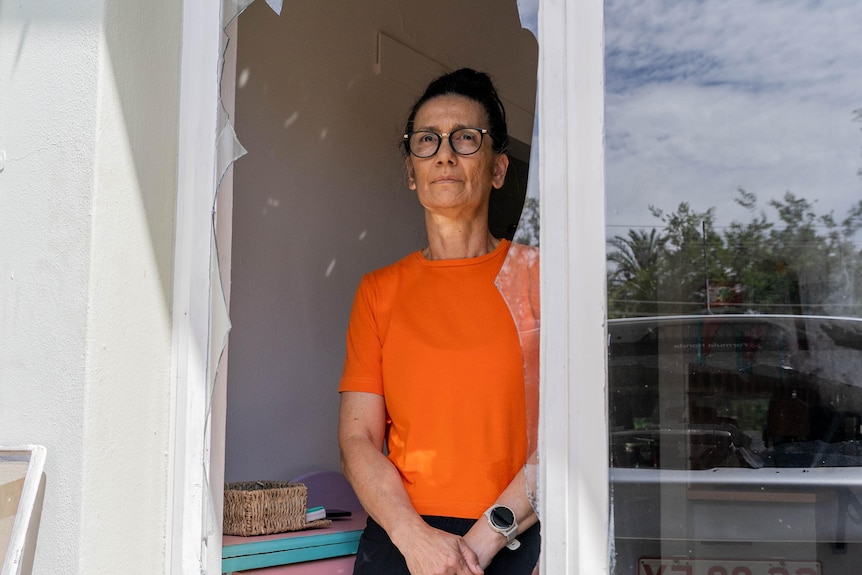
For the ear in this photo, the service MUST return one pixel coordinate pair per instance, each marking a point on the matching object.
(501, 165)
(411, 174)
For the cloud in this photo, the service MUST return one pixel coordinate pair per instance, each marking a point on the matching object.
(706, 96)
(529, 13)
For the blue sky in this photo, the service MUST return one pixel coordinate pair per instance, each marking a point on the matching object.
(529, 12)
(706, 96)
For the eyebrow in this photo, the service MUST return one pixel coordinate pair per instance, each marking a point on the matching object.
(436, 130)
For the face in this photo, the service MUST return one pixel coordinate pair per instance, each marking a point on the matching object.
(448, 182)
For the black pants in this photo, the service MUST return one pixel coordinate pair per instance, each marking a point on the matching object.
(377, 555)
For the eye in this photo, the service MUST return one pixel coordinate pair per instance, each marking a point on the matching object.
(426, 138)
(466, 135)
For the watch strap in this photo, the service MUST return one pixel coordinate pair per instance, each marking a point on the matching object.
(506, 528)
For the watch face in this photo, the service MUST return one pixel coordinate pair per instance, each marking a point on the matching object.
(502, 517)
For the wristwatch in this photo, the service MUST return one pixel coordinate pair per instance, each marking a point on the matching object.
(502, 520)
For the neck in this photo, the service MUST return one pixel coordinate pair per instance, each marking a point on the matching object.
(458, 240)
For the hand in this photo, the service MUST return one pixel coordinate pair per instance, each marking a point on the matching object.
(430, 551)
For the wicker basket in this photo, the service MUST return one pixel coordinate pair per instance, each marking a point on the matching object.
(264, 507)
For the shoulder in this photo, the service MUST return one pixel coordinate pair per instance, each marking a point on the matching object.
(391, 272)
(383, 282)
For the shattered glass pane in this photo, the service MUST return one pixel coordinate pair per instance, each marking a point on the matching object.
(275, 5)
(518, 280)
(220, 321)
(529, 12)
(231, 9)
(229, 149)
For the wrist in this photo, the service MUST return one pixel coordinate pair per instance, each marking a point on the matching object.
(501, 519)
(405, 530)
(484, 541)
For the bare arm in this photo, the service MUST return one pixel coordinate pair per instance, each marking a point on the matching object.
(428, 551)
(483, 539)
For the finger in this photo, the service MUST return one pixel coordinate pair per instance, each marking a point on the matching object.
(470, 558)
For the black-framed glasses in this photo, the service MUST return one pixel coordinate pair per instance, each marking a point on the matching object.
(425, 143)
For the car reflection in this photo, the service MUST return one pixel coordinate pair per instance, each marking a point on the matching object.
(736, 438)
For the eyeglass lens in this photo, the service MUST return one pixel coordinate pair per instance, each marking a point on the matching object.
(464, 141)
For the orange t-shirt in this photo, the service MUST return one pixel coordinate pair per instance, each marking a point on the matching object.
(437, 340)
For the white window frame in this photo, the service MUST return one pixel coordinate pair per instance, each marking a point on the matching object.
(573, 470)
(186, 551)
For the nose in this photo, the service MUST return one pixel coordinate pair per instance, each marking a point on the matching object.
(446, 153)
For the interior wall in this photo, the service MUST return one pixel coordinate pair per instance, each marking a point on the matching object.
(321, 197)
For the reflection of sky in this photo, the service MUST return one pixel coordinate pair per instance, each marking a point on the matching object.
(529, 12)
(706, 96)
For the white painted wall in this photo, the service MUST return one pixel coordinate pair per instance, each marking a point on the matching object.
(89, 93)
(320, 198)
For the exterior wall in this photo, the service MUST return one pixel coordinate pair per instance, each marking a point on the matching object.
(87, 203)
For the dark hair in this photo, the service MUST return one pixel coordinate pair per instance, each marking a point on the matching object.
(476, 86)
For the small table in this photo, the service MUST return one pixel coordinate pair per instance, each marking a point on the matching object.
(332, 566)
(338, 540)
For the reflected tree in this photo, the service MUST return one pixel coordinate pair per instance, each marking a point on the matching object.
(528, 227)
(693, 254)
(799, 263)
(634, 273)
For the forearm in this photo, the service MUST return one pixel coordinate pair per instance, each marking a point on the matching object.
(483, 539)
(515, 498)
(377, 485)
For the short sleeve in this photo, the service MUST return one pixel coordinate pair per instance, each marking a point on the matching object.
(362, 362)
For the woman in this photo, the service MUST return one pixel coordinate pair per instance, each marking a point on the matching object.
(434, 373)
